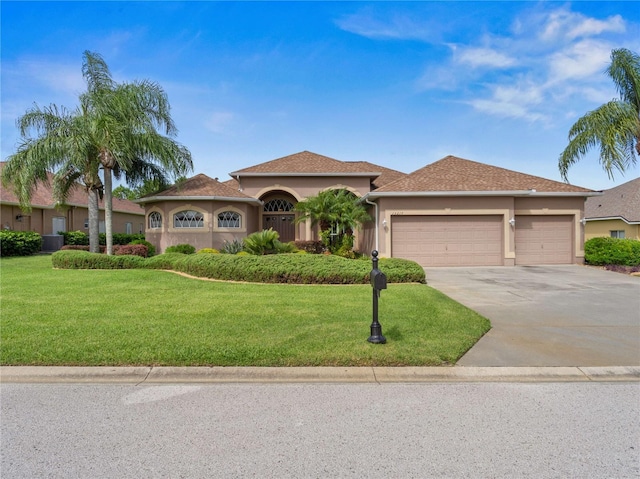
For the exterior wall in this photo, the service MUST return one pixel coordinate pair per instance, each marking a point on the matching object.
(208, 236)
(596, 228)
(508, 207)
(302, 187)
(40, 220)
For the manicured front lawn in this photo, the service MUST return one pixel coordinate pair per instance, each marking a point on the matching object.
(149, 317)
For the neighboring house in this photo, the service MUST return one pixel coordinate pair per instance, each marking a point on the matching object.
(616, 213)
(46, 218)
(452, 212)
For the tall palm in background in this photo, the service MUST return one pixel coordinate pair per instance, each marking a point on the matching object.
(114, 128)
(59, 146)
(125, 119)
(614, 126)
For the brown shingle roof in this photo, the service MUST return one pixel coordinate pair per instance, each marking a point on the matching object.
(456, 174)
(200, 185)
(622, 201)
(306, 163)
(43, 198)
(387, 174)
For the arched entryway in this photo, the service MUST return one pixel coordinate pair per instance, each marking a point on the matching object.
(278, 214)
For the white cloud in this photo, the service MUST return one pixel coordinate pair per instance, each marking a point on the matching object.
(564, 24)
(580, 60)
(483, 57)
(397, 26)
(513, 102)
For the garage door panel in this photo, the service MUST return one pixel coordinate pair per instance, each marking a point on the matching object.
(544, 239)
(448, 240)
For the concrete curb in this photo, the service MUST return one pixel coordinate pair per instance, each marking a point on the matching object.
(155, 375)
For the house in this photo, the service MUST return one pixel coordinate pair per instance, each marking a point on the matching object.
(46, 218)
(616, 213)
(453, 212)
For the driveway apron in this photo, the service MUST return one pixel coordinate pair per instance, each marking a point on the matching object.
(567, 315)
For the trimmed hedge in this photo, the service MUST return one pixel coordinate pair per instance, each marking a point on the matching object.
(283, 268)
(82, 238)
(605, 250)
(181, 248)
(19, 243)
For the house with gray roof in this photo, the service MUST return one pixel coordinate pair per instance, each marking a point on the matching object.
(615, 213)
(453, 212)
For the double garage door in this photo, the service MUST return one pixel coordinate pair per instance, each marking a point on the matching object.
(448, 240)
(478, 240)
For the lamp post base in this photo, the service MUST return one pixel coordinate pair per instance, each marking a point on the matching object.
(376, 335)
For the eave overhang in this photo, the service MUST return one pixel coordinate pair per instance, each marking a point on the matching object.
(519, 193)
(153, 199)
(238, 174)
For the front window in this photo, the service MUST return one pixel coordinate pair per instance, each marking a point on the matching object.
(155, 220)
(278, 205)
(188, 219)
(617, 234)
(229, 219)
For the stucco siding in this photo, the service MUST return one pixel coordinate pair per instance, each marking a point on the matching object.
(597, 228)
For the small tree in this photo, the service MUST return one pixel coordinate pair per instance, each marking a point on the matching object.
(337, 213)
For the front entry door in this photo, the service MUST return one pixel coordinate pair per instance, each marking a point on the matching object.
(283, 224)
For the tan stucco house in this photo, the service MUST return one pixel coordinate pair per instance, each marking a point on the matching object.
(47, 218)
(451, 212)
(616, 213)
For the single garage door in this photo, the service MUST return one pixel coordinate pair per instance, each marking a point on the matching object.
(448, 240)
(544, 240)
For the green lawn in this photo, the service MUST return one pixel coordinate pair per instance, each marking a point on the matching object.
(149, 317)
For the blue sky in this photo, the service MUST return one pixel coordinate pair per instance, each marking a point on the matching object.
(399, 84)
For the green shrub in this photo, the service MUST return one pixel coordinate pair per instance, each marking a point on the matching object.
(233, 247)
(19, 243)
(283, 268)
(266, 242)
(314, 247)
(133, 249)
(181, 248)
(605, 250)
(163, 261)
(208, 251)
(75, 238)
(151, 250)
(68, 259)
(125, 238)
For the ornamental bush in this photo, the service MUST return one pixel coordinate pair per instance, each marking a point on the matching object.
(19, 243)
(604, 250)
(208, 251)
(283, 268)
(151, 250)
(132, 249)
(181, 248)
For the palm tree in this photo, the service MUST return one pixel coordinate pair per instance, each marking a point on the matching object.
(114, 128)
(125, 119)
(337, 212)
(59, 145)
(614, 126)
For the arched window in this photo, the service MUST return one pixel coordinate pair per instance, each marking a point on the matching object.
(278, 204)
(155, 220)
(229, 219)
(188, 219)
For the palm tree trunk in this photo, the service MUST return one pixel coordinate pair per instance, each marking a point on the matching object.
(108, 209)
(94, 222)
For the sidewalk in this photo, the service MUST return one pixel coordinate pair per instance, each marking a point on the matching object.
(155, 375)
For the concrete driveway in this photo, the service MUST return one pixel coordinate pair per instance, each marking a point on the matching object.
(548, 315)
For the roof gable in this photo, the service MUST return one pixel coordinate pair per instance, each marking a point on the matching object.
(306, 163)
(622, 201)
(456, 174)
(200, 185)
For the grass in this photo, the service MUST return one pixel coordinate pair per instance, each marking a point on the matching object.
(149, 317)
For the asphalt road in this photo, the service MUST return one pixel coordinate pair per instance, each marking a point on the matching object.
(453, 430)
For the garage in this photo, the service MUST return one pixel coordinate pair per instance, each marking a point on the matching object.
(448, 240)
(544, 239)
